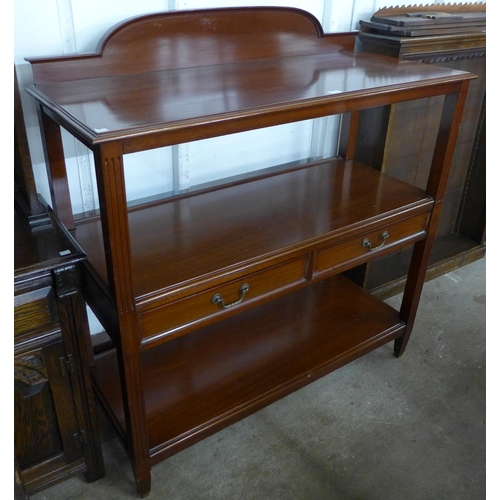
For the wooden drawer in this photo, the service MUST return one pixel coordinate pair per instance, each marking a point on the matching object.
(356, 250)
(34, 310)
(223, 299)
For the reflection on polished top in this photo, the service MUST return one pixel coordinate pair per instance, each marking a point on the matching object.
(198, 72)
(133, 101)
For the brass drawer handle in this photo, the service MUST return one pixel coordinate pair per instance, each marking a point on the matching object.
(367, 244)
(217, 298)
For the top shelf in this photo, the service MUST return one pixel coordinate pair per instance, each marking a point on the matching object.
(128, 95)
(109, 107)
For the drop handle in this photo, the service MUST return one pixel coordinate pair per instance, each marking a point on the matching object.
(218, 299)
(367, 243)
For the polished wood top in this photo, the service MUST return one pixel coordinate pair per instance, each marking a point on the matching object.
(135, 104)
(177, 86)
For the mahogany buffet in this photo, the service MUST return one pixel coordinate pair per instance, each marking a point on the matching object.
(221, 301)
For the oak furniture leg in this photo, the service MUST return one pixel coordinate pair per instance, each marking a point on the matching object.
(71, 307)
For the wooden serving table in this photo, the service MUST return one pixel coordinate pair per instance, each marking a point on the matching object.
(223, 300)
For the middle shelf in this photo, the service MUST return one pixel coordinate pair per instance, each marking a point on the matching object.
(292, 227)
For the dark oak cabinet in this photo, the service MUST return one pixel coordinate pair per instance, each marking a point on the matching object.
(411, 128)
(55, 423)
(55, 430)
(220, 301)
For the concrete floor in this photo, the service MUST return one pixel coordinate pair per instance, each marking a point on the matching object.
(380, 428)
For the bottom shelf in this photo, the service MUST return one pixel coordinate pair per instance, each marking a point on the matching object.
(199, 383)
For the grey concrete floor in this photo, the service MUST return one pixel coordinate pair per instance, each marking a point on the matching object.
(380, 428)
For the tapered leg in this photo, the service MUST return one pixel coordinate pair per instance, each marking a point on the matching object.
(436, 185)
(114, 217)
(349, 135)
(56, 166)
